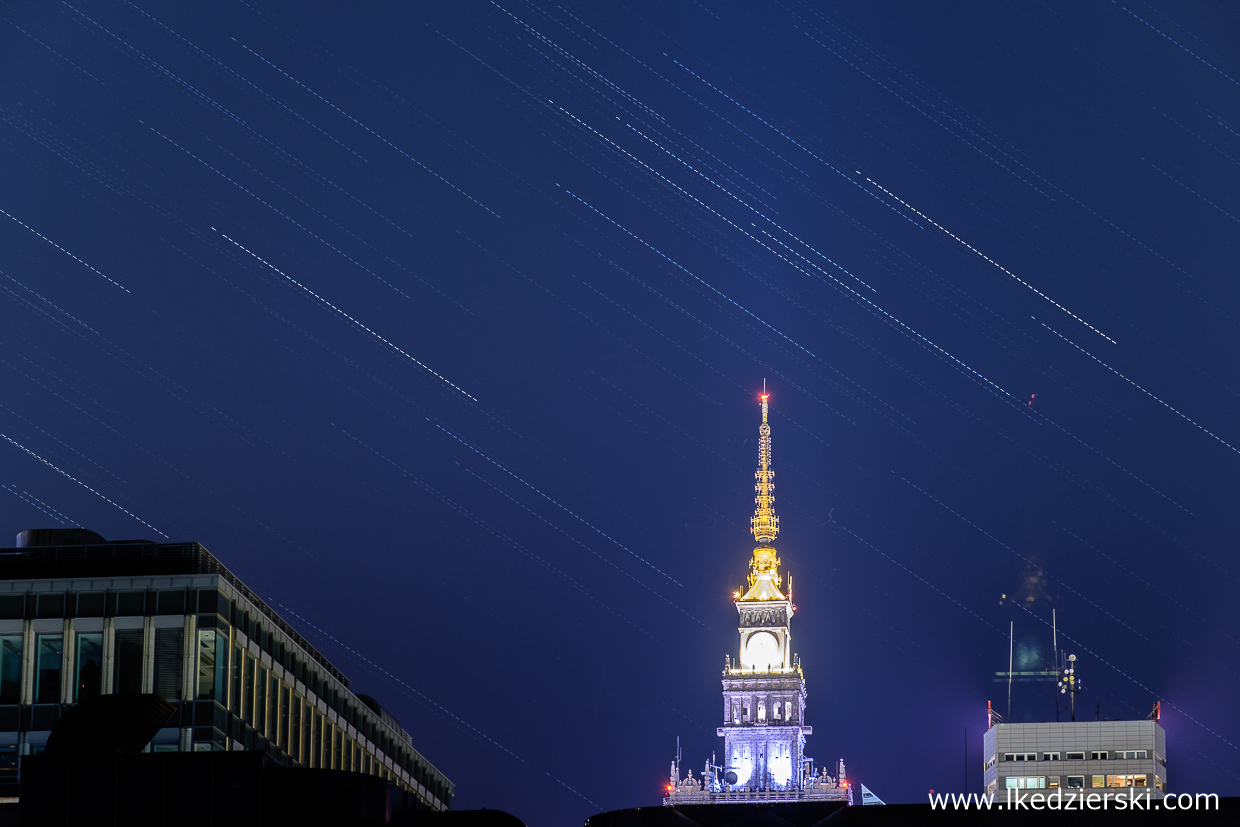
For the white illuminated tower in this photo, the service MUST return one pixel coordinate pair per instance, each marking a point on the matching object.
(763, 689)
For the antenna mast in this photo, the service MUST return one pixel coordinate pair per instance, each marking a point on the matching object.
(1055, 649)
(1011, 649)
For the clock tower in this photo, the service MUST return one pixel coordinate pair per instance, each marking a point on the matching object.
(763, 689)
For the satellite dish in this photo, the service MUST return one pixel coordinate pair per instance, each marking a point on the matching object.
(731, 777)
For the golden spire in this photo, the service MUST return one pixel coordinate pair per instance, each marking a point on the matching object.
(764, 578)
(764, 525)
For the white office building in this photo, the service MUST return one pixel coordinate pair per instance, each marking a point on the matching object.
(1105, 757)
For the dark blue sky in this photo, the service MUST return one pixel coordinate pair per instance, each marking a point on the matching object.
(443, 328)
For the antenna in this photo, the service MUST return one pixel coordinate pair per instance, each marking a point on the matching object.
(1055, 636)
(1055, 649)
(1011, 649)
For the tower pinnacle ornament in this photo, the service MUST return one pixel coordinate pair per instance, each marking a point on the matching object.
(764, 525)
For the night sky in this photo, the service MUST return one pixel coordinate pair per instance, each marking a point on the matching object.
(442, 325)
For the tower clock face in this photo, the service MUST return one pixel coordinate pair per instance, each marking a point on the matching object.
(762, 650)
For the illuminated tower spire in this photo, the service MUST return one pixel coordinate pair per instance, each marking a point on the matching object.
(764, 577)
(764, 525)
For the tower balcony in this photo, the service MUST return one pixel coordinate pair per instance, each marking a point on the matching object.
(731, 671)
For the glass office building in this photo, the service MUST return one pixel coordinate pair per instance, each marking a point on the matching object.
(80, 616)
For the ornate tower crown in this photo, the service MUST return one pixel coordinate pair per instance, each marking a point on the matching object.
(764, 525)
(764, 577)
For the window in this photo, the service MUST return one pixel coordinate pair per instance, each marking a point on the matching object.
(1098, 755)
(206, 665)
(260, 702)
(48, 649)
(761, 710)
(1020, 756)
(1052, 782)
(1160, 784)
(787, 710)
(8, 764)
(1131, 754)
(127, 662)
(294, 733)
(1097, 781)
(1050, 756)
(10, 669)
(273, 707)
(130, 603)
(1076, 756)
(247, 696)
(1026, 782)
(285, 701)
(168, 663)
(1125, 780)
(316, 740)
(1076, 781)
(88, 677)
(234, 697)
(90, 604)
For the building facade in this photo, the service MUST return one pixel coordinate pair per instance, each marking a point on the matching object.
(1106, 757)
(80, 616)
(764, 693)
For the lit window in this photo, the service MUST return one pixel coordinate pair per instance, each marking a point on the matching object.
(1052, 782)
(1125, 780)
(1097, 781)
